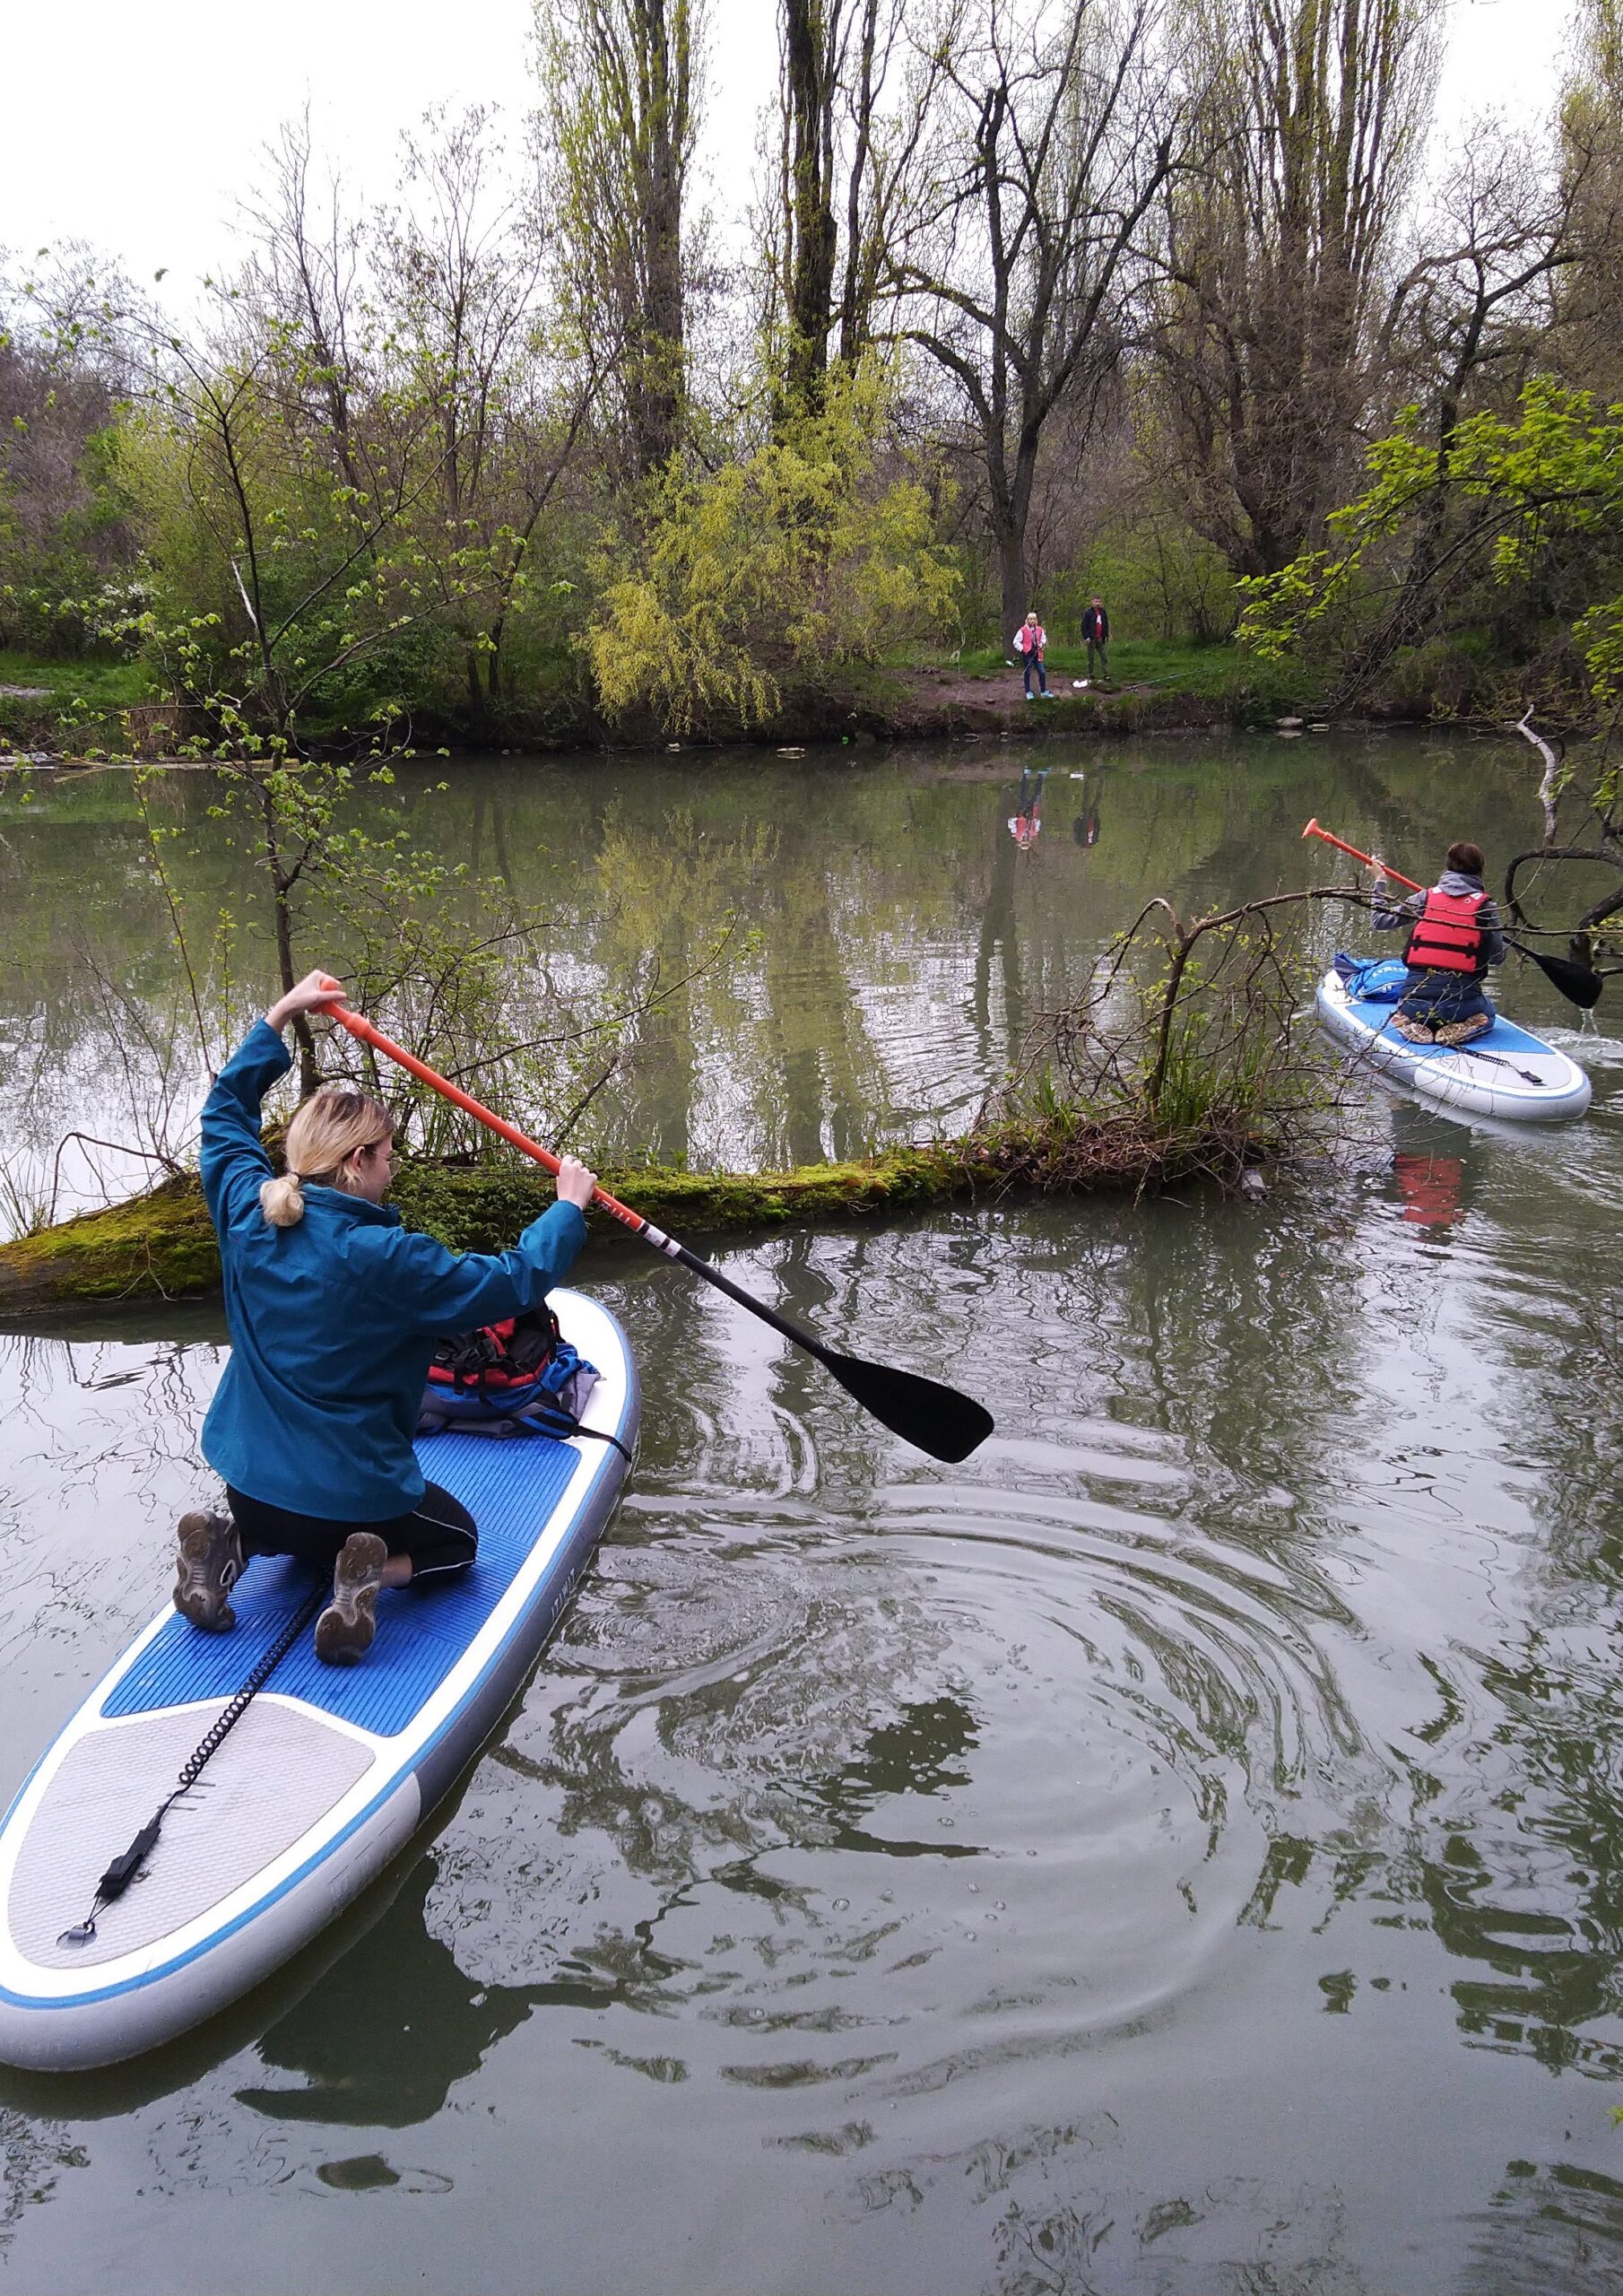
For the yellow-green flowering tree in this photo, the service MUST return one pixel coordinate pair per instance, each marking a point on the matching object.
(811, 554)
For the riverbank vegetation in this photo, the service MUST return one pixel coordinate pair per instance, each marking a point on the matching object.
(1019, 304)
(1186, 1056)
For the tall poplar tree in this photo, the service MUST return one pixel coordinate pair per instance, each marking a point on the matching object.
(622, 85)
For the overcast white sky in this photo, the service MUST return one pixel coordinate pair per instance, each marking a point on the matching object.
(138, 124)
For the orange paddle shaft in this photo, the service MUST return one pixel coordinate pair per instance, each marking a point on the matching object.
(1312, 829)
(358, 1026)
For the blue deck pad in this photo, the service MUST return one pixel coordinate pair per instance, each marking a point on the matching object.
(1503, 1037)
(511, 1487)
(1382, 975)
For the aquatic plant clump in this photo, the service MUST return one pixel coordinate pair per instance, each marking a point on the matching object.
(1190, 1050)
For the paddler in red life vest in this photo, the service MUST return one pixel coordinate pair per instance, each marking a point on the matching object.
(1455, 935)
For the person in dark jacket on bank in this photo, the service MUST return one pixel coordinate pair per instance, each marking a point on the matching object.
(1096, 637)
(333, 1308)
(1455, 935)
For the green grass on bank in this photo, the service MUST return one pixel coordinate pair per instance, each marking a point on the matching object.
(1215, 673)
(77, 707)
(100, 685)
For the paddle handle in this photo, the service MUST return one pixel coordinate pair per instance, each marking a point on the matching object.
(1312, 829)
(368, 1032)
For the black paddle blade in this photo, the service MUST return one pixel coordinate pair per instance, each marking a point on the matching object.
(921, 1411)
(1579, 984)
(934, 1419)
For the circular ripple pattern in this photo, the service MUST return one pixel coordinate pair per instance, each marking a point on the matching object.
(1175, 1850)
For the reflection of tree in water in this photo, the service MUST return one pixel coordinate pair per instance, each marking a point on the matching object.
(388, 2032)
(1515, 1850)
(1526, 1879)
(32, 2154)
(921, 1751)
(1062, 2217)
(914, 1754)
(1530, 1889)
(1545, 2230)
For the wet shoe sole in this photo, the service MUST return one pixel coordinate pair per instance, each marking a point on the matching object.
(200, 1592)
(345, 1628)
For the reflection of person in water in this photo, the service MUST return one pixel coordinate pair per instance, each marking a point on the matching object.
(1431, 1188)
(391, 2027)
(1025, 825)
(1085, 828)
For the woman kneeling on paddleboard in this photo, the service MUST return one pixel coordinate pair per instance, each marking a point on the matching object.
(333, 1308)
(1455, 935)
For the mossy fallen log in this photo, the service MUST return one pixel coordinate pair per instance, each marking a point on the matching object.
(161, 1245)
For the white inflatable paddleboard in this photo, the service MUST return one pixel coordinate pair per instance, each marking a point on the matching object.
(327, 1775)
(1506, 1072)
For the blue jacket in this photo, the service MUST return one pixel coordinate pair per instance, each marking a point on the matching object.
(333, 1320)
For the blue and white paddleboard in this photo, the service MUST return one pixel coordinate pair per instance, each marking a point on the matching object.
(325, 1777)
(1506, 1072)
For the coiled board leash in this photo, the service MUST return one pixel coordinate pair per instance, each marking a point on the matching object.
(127, 1864)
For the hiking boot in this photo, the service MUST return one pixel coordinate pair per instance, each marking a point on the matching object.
(211, 1564)
(345, 1630)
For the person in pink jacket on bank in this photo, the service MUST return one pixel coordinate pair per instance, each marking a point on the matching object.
(1032, 640)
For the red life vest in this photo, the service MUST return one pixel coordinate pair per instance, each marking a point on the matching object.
(1446, 937)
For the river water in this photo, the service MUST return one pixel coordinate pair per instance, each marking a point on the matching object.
(1176, 1851)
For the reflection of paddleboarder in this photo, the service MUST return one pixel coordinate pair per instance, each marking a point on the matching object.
(1432, 1189)
(385, 2036)
(1432, 1186)
(1024, 826)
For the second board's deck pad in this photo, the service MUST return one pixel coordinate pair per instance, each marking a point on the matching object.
(508, 1485)
(1505, 1071)
(1504, 1038)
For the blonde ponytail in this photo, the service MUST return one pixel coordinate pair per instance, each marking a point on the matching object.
(281, 1201)
(325, 1132)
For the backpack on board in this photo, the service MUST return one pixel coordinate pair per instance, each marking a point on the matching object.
(518, 1377)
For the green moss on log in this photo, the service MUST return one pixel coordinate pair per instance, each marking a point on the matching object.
(161, 1245)
(480, 1208)
(158, 1246)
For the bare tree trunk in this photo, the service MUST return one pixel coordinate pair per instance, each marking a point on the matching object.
(623, 82)
(810, 30)
(659, 417)
(1020, 281)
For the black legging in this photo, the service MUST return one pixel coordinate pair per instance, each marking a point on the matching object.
(439, 1534)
